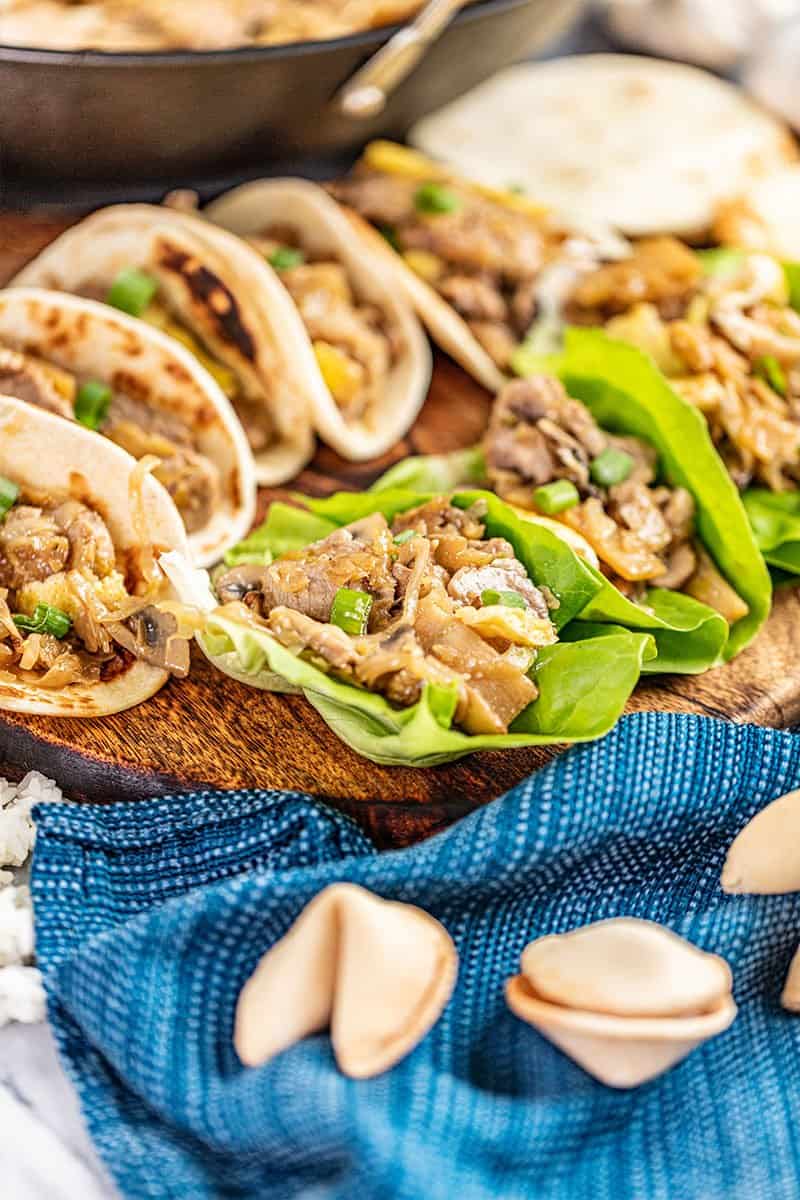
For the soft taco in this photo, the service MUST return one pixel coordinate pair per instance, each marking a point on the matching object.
(91, 364)
(640, 144)
(207, 289)
(371, 363)
(470, 259)
(422, 628)
(595, 440)
(725, 330)
(82, 630)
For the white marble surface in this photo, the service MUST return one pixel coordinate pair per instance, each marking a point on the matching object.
(45, 1152)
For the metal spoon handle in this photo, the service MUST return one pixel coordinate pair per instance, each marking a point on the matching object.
(366, 92)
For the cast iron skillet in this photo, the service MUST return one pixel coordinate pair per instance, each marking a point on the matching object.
(92, 116)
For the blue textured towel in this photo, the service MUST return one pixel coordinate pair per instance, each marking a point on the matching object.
(151, 916)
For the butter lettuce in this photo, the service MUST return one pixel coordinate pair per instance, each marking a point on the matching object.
(689, 636)
(775, 518)
(626, 393)
(584, 680)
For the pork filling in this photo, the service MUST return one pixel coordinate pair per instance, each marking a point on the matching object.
(660, 271)
(191, 479)
(355, 344)
(734, 352)
(71, 610)
(482, 258)
(545, 452)
(429, 599)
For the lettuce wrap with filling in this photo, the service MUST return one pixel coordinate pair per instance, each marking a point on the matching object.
(421, 628)
(709, 558)
(723, 325)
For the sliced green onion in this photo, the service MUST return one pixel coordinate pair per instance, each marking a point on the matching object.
(507, 599)
(517, 189)
(442, 701)
(45, 619)
(286, 257)
(350, 611)
(720, 261)
(610, 467)
(389, 234)
(556, 497)
(770, 370)
(434, 198)
(91, 403)
(132, 291)
(9, 494)
(404, 537)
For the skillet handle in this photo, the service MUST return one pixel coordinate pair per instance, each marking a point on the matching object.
(366, 93)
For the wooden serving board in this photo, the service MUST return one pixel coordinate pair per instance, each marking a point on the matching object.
(209, 730)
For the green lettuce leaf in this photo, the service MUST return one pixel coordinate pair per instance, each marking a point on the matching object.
(775, 518)
(287, 529)
(435, 472)
(584, 681)
(626, 393)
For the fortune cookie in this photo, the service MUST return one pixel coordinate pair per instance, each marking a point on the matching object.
(626, 999)
(377, 973)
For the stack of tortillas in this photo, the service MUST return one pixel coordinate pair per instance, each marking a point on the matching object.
(639, 144)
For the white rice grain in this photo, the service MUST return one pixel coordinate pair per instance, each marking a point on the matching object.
(21, 990)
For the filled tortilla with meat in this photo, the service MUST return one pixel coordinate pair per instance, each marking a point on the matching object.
(82, 629)
(372, 362)
(92, 364)
(471, 260)
(209, 290)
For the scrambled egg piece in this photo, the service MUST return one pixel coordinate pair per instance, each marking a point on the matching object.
(58, 593)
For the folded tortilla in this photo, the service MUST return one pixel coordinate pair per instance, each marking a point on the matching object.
(218, 291)
(155, 378)
(323, 232)
(42, 453)
(640, 144)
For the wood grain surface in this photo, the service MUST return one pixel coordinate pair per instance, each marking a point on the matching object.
(209, 730)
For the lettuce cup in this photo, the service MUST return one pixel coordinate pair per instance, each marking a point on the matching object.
(596, 444)
(422, 628)
(726, 334)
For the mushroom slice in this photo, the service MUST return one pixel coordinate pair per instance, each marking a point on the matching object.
(627, 968)
(378, 973)
(764, 859)
(621, 1052)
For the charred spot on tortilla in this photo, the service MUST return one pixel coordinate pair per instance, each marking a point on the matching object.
(132, 346)
(235, 487)
(178, 372)
(212, 294)
(51, 319)
(79, 490)
(132, 386)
